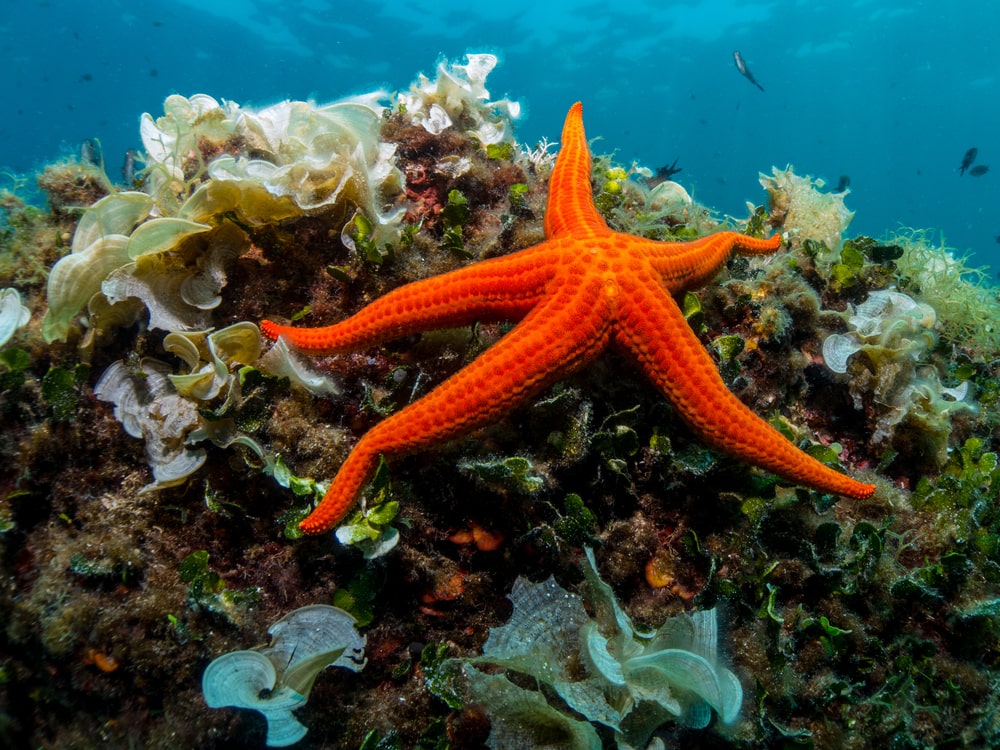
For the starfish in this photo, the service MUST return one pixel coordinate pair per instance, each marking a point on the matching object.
(583, 290)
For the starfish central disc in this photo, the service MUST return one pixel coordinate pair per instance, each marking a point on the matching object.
(582, 290)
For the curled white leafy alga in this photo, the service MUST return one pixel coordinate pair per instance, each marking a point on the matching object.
(276, 679)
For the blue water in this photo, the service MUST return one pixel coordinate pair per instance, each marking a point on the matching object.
(891, 94)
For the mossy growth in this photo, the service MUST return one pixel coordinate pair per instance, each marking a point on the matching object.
(208, 591)
(62, 391)
(968, 306)
(507, 474)
(665, 211)
(31, 240)
(601, 667)
(14, 364)
(454, 215)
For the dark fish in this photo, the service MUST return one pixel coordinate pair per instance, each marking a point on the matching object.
(843, 184)
(129, 169)
(980, 170)
(90, 152)
(663, 174)
(741, 66)
(970, 156)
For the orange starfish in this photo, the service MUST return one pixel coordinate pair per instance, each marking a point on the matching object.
(582, 290)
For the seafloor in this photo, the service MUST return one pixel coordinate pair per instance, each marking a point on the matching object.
(145, 532)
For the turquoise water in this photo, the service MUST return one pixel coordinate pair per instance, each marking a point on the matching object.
(891, 94)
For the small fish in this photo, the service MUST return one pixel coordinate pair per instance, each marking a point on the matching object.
(741, 66)
(980, 170)
(970, 156)
(128, 167)
(843, 184)
(90, 152)
(663, 174)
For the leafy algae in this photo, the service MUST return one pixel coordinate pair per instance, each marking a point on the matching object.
(602, 666)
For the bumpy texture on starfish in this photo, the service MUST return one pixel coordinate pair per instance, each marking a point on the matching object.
(582, 290)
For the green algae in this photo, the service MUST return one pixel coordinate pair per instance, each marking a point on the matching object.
(208, 591)
(632, 681)
(967, 304)
(62, 389)
(509, 473)
(454, 215)
(370, 529)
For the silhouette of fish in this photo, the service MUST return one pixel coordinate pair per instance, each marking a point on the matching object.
(129, 168)
(843, 183)
(741, 66)
(980, 170)
(663, 174)
(90, 152)
(970, 156)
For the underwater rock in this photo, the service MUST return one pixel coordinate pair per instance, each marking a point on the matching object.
(208, 165)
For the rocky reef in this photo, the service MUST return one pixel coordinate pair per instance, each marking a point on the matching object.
(159, 457)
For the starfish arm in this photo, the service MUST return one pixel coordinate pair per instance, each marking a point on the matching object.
(522, 364)
(656, 335)
(570, 207)
(685, 265)
(504, 288)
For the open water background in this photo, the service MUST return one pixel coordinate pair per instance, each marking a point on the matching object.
(891, 94)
